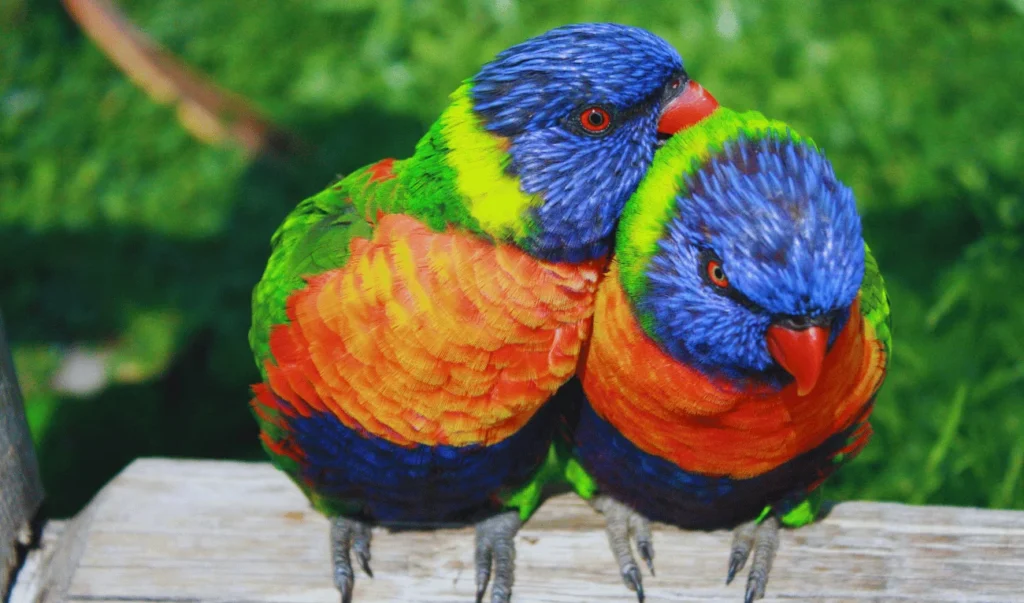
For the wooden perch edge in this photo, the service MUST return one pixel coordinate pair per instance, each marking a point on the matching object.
(210, 113)
(205, 531)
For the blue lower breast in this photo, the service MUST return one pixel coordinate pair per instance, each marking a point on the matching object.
(662, 491)
(419, 484)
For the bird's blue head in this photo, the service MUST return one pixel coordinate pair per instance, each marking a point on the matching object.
(580, 109)
(758, 263)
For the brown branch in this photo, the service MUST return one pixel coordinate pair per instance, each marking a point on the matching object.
(210, 113)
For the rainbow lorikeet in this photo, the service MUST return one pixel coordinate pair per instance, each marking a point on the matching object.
(739, 340)
(415, 317)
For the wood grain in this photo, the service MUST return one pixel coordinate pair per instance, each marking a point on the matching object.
(209, 531)
(21, 491)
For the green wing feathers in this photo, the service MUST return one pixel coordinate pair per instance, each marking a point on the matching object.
(874, 301)
(315, 238)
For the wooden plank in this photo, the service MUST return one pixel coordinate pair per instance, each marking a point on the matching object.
(21, 491)
(211, 531)
(31, 583)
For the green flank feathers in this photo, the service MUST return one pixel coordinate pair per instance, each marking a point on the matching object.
(874, 302)
(313, 238)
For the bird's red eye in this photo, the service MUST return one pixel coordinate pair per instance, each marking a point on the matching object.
(717, 274)
(595, 119)
(676, 83)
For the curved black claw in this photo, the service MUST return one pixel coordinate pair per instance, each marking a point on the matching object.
(640, 528)
(495, 546)
(623, 524)
(361, 545)
(483, 568)
(646, 550)
(763, 539)
(766, 543)
(346, 535)
(633, 582)
(753, 594)
(742, 541)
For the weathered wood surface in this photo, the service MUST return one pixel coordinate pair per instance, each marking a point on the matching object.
(168, 530)
(21, 491)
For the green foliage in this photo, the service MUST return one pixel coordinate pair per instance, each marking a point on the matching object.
(120, 232)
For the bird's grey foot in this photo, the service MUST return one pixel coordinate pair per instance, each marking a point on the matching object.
(622, 524)
(495, 546)
(763, 539)
(349, 535)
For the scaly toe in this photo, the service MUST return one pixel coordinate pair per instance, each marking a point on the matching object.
(640, 528)
(344, 532)
(742, 542)
(483, 566)
(361, 546)
(766, 543)
(495, 546)
(622, 522)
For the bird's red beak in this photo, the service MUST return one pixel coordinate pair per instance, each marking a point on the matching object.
(800, 352)
(693, 105)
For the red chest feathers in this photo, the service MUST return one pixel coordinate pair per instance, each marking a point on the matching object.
(675, 412)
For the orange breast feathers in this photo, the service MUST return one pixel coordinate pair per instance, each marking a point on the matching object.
(711, 426)
(432, 338)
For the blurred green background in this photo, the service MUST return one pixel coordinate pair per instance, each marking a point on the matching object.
(127, 245)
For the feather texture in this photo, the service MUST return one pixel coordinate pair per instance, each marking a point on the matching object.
(482, 333)
(715, 426)
(687, 416)
(415, 317)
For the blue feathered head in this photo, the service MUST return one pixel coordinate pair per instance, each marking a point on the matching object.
(581, 107)
(759, 262)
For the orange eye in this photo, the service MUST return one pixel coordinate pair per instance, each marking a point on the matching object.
(595, 119)
(717, 274)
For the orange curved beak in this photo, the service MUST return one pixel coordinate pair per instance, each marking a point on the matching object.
(800, 352)
(685, 110)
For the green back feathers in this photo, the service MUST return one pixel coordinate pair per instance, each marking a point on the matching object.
(653, 205)
(455, 179)
(431, 184)
(458, 178)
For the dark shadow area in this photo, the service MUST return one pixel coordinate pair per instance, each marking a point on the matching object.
(913, 244)
(825, 509)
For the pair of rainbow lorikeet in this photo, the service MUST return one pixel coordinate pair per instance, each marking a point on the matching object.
(581, 208)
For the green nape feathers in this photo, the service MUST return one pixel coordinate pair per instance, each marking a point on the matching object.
(647, 215)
